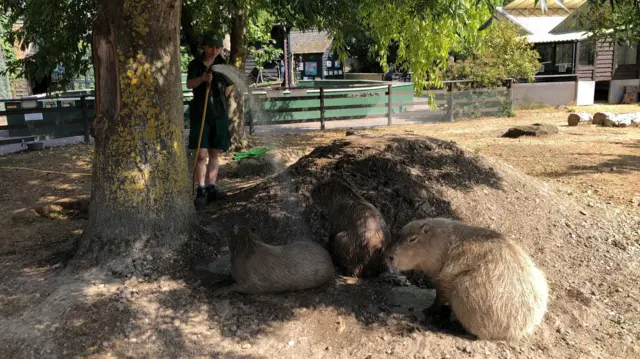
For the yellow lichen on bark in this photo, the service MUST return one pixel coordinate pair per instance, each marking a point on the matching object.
(142, 153)
(135, 10)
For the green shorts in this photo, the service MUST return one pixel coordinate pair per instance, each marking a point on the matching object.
(216, 128)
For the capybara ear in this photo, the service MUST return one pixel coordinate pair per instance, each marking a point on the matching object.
(424, 228)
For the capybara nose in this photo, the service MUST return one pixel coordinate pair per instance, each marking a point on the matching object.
(389, 259)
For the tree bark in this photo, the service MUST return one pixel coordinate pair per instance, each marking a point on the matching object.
(238, 58)
(140, 202)
(600, 117)
(622, 120)
(576, 119)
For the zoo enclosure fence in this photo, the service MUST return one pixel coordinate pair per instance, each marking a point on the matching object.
(30, 119)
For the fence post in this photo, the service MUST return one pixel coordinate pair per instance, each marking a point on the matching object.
(389, 106)
(322, 108)
(510, 93)
(250, 113)
(85, 118)
(450, 102)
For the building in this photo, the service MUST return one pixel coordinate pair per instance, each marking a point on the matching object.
(312, 55)
(601, 70)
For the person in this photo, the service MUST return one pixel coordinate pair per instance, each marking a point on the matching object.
(215, 134)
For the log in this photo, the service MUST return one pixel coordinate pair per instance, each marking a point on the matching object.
(630, 98)
(582, 118)
(622, 120)
(599, 117)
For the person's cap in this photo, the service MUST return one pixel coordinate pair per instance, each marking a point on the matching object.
(211, 41)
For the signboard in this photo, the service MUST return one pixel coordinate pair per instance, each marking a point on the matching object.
(329, 63)
(311, 68)
(49, 103)
(337, 63)
(33, 116)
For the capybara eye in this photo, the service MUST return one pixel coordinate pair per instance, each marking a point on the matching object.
(413, 239)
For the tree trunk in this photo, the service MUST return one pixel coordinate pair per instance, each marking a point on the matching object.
(576, 119)
(622, 120)
(600, 117)
(140, 201)
(238, 58)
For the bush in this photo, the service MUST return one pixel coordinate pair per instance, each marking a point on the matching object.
(502, 54)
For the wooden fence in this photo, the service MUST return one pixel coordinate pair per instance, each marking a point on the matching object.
(66, 116)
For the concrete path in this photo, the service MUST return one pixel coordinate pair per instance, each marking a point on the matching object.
(6, 149)
(414, 117)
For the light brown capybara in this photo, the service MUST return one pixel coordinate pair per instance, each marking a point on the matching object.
(358, 233)
(493, 287)
(261, 268)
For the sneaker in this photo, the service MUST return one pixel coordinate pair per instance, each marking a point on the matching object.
(201, 197)
(215, 193)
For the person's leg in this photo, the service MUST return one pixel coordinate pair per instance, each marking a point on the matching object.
(212, 168)
(201, 167)
(212, 175)
(201, 171)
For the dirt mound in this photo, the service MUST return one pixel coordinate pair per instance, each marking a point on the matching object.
(405, 177)
(412, 177)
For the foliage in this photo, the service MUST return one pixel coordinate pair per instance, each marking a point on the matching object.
(60, 29)
(8, 52)
(261, 45)
(185, 58)
(425, 33)
(359, 48)
(501, 54)
(617, 20)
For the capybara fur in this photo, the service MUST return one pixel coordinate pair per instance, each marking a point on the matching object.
(261, 268)
(358, 232)
(493, 287)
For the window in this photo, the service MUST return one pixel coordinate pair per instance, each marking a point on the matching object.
(564, 58)
(546, 57)
(626, 55)
(587, 53)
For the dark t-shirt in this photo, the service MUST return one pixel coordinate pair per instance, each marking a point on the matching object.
(218, 85)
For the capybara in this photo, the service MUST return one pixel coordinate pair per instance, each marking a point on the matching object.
(493, 287)
(358, 233)
(261, 268)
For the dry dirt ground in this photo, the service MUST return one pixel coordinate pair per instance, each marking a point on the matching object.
(581, 207)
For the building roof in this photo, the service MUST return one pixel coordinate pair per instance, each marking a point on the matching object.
(545, 38)
(539, 26)
(551, 4)
(309, 42)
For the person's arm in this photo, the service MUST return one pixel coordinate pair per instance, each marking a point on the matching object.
(195, 82)
(193, 79)
(228, 89)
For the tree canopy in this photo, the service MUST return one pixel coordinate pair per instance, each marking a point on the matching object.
(424, 30)
(617, 20)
